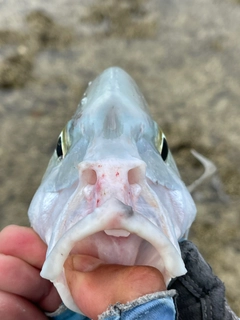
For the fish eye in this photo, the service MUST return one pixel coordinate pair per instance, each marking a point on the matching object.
(164, 151)
(59, 150)
(63, 143)
(161, 144)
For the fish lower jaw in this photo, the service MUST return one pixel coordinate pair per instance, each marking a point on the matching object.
(131, 240)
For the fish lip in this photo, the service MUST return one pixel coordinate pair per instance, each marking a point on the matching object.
(123, 218)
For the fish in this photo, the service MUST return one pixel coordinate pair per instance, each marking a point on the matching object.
(112, 189)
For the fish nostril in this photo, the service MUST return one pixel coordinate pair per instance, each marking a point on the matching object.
(134, 175)
(89, 176)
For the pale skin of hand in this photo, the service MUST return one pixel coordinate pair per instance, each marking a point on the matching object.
(24, 294)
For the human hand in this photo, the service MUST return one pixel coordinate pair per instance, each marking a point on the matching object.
(93, 284)
(24, 294)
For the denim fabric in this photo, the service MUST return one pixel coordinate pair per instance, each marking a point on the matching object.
(151, 306)
(70, 315)
(163, 309)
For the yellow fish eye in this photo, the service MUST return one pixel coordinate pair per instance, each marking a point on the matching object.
(161, 144)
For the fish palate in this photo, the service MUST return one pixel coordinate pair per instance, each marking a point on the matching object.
(112, 189)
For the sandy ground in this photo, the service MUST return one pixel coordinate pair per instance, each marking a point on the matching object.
(185, 57)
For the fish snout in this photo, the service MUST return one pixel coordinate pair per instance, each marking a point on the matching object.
(102, 180)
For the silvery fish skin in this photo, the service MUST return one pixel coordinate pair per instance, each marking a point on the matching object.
(112, 189)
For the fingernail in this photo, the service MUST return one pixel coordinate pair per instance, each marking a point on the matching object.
(84, 263)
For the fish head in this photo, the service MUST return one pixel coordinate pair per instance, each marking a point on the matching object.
(112, 189)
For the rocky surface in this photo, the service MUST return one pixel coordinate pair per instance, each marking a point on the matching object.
(185, 57)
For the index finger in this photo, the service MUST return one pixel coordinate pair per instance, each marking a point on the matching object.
(23, 243)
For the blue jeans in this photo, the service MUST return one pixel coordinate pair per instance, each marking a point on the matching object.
(159, 305)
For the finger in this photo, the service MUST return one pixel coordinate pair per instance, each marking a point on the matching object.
(20, 278)
(108, 284)
(13, 307)
(23, 243)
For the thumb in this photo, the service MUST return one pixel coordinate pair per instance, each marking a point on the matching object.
(95, 285)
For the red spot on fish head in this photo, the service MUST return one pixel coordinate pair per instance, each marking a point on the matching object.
(117, 174)
(98, 186)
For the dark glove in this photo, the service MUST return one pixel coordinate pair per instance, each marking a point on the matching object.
(201, 294)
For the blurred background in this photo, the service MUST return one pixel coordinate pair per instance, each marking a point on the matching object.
(185, 57)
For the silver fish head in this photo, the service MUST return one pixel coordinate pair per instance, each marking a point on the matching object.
(112, 189)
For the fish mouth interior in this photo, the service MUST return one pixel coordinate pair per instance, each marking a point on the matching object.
(118, 247)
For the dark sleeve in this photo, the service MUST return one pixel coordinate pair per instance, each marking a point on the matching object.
(201, 294)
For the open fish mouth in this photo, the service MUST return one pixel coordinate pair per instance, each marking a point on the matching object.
(115, 234)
